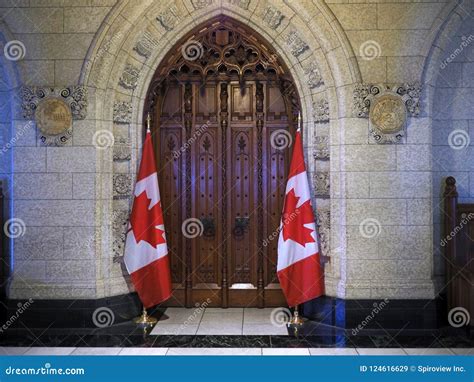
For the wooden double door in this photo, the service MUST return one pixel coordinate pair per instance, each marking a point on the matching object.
(223, 151)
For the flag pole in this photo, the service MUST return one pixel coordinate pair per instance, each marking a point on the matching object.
(145, 319)
(148, 121)
(297, 320)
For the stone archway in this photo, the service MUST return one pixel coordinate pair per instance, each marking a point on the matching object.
(448, 114)
(119, 68)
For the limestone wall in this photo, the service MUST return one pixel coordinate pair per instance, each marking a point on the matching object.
(74, 199)
(53, 188)
(453, 124)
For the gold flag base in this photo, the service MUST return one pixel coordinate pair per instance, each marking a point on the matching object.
(145, 319)
(297, 320)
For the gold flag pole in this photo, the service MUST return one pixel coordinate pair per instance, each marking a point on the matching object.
(148, 121)
(145, 319)
(297, 319)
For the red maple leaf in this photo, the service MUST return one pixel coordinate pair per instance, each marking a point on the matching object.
(145, 220)
(294, 219)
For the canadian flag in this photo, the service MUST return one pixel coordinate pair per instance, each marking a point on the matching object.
(146, 252)
(298, 268)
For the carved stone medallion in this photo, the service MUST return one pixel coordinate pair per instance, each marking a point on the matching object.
(54, 120)
(74, 96)
(388, 114)
(129, 78)
(272, 17)
(387, 107)
(296, 44)
(244, 4)
(169, 18)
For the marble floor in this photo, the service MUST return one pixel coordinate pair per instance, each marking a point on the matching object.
(230, 351)
(216, 321)
(233, 331)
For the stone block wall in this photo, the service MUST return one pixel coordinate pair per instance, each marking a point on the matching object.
(53, 189)
(453, 125)
(379, 197)
(386, 189)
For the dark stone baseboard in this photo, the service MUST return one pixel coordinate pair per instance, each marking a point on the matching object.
(70, 313)
(353, 315)
(367, 315)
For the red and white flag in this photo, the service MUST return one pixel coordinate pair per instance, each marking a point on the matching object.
(299, 269)
(146, 252)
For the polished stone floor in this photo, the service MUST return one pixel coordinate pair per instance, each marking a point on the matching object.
(215, 321)
(235, 331)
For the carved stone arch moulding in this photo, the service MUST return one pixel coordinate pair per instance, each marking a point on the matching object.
(239, 60)
(122, 180)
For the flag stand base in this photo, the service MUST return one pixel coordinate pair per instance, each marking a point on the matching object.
(297, 320)
(145, 319)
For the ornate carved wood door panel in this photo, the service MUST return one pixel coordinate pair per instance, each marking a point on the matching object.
(222, 180)
(243, 195)
(222, 174)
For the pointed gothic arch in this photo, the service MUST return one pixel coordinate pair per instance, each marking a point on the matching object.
(133, 42)
(216, 101)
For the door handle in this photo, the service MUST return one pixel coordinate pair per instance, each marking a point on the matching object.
(209, 229)
(241, 225)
